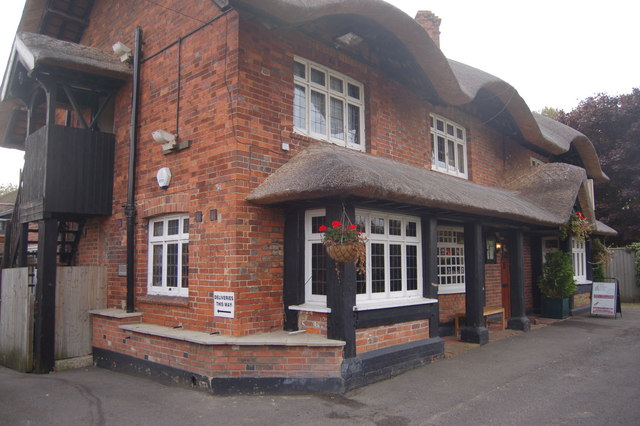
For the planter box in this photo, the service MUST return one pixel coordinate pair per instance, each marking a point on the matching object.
(555, 308)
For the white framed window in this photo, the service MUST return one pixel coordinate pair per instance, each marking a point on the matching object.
(448, 147)
(451, 260)
(168, 271)
(549, 245)
(393, 265)
(327, 105)
(394, 253)
(579, 260)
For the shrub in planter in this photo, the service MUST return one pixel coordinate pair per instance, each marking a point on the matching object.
(556, 285)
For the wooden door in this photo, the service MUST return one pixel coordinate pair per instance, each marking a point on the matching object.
(506, 286)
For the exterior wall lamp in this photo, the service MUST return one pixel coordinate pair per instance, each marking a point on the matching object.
(169, 141)
(122, 51)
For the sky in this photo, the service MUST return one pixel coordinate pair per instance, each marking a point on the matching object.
(554, 52)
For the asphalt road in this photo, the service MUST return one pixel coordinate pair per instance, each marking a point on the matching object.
(582, 371)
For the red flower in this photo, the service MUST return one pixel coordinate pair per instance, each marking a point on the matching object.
(353, 226)
(336, 224)
(322, 228)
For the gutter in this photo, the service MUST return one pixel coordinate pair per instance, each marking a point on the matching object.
(130, 207)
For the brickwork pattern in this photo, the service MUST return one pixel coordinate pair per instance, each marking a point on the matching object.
(369, 339)
(313, 322)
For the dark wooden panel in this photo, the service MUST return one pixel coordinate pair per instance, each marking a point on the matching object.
(390, 316)
(69, 172)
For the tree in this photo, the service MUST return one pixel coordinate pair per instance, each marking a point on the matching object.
(612, 123)
(6, 188)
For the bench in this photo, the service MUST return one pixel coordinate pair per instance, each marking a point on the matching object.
(486, 312)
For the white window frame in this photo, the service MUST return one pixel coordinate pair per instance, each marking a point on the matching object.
(453, 135)
(386, 239)
(579, 260)
(330, 93)
(369, 299)
(164, 240)
(449, 260)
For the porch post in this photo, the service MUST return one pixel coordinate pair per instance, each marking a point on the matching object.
(341, 291)
(518, 320)
(45, 308)
(430, 269)
(293, 265)
(474, 330)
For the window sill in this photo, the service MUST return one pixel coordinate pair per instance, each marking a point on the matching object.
(583, 282)
(386, 304)
(155, 299)
(451, 289)
(310, 307)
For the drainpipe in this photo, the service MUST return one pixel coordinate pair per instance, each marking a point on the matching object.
(130, 207)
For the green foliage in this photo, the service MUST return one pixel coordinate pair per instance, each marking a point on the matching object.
(636, 248)
(550, 112)
(612, 123)
(600, 258)
(6, 188)
(557, 276)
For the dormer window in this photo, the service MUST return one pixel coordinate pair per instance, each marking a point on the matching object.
(448, 147)
(327, 105)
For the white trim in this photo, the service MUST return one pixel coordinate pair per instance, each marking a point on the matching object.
(311, 238)
(394, 303)
(451, 288)
(163, 240)
(454, 288)
(311, 307)
(328, 93)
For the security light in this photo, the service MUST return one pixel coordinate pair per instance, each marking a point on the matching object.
(166, 139)
(122, 51)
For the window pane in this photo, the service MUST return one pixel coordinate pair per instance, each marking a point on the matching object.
(318, 77)
(158, 229)
(318, 113)
(337, 119)
(440, 125)
(361, 284)
(449, 129)
(336, 84)
(299, 70)
(412, 267)
(461, 158)
(377, 225)
(173, 227)
(354, 124)
(459, 133)
(354, 91)
(300, 107)
(451, 152)
(377, 268)
(411, 230)
(361, 221)
(185, 265)
(318, 270)
(395, 267)
(172, 265)
(441, 150)
(395, 227)
(316, 222)
(156, 279)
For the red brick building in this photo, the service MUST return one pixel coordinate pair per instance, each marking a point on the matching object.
(276, 117)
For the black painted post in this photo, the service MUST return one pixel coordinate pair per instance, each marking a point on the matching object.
(293, 266)
(45, 308)
(518, 320)
(589, 258)
(24, 244)
(341, 292)
(429, 227)
(536, 270)
(474, 330)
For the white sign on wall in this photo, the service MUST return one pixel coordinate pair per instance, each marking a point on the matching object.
(223, 304)
(603, 299)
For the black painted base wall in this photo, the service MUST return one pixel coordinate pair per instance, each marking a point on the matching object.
(356, 372)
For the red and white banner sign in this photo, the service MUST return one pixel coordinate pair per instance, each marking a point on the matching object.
(603, 299)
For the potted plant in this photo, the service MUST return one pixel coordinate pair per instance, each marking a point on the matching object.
(577, 227)
(557, 285)
(345, 243)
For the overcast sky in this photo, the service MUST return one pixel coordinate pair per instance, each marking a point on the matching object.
(554, 52)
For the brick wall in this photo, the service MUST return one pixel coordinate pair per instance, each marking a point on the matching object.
(450, 304)
(218, 360)
(581, 300)
(313, 322)
(368, 339)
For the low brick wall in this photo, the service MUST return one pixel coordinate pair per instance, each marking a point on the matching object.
(369, 339)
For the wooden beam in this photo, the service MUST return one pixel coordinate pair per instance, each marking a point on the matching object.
(67, 17)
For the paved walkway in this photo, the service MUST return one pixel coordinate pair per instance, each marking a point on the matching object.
(577, 371)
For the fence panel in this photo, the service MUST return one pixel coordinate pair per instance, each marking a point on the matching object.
(622, 267)
(16, 320)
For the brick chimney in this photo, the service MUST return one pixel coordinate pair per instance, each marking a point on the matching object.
(431, 24)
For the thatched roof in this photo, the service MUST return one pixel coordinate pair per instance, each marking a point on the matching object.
(34, 50)
(454, 82)
(604, 230)
(542, 195)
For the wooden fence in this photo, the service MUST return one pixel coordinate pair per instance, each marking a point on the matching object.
(622, 267)
(78, 290)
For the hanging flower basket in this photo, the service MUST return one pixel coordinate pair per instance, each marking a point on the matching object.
(577, 226)
(345, 244)
(344, 253)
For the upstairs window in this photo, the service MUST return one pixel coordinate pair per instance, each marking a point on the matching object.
(169, 256)
(327, 105)
(448, 147)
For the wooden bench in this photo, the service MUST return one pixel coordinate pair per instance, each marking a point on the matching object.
(486, 312)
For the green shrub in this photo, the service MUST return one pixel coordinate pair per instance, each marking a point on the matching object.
(557, 276)
(636, 248)
(600, 255)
